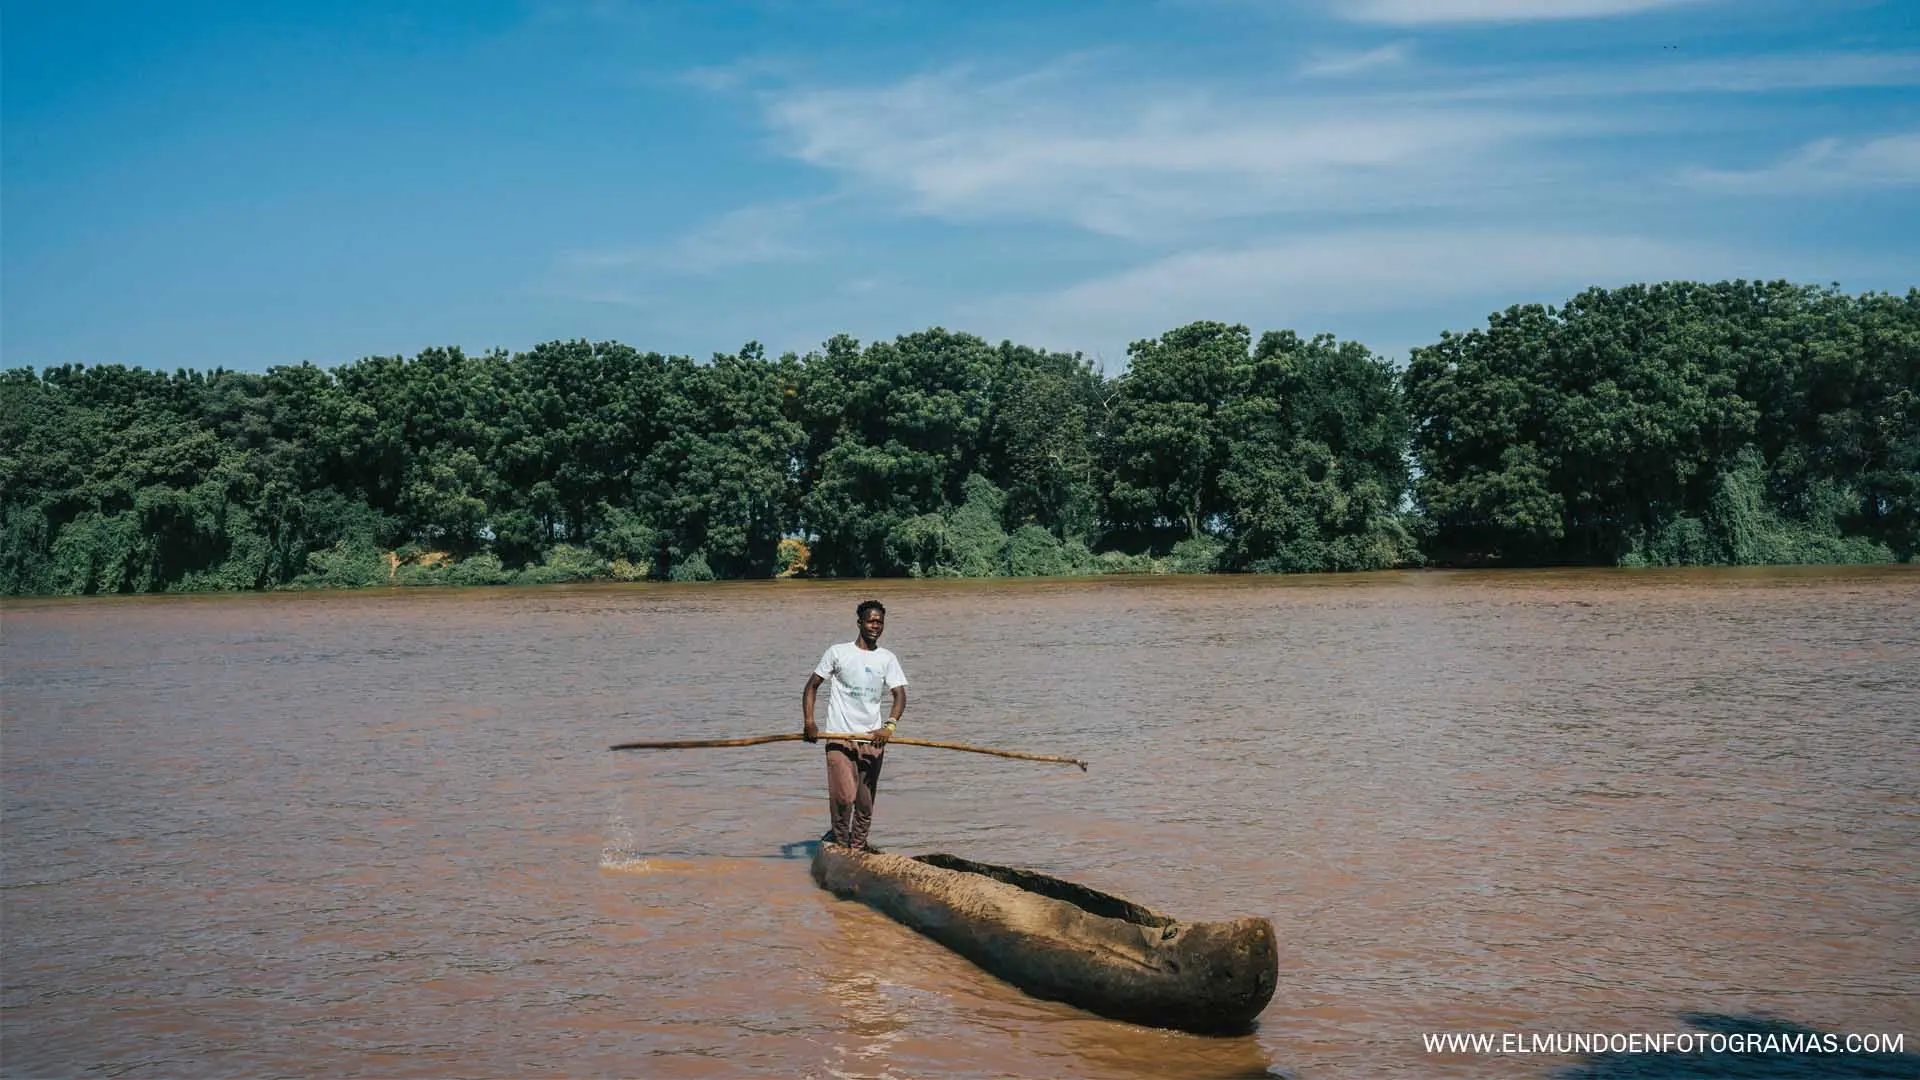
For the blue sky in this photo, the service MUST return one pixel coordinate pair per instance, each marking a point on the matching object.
(246, 184)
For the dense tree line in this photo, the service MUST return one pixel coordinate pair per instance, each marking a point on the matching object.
(1678, 423)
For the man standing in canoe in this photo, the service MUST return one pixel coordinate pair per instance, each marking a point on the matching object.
(858, 674)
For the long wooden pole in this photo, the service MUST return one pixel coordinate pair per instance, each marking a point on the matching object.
(794, 736)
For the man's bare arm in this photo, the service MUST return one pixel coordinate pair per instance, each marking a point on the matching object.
(899, 706)
(807, 728)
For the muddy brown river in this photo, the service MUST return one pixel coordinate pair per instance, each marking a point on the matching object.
(380, 835)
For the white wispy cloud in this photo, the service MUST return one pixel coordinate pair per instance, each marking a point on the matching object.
(577, 12)
(737, 74)
(1135, 161)
(1824, 164)
(647, 274)
(1084, 141)
(1353, 271)
(1428, 12)
(1304, 167)
(1758, 74)
(750, 235)
(1328, 64)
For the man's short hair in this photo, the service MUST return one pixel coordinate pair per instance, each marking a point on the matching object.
(860, 612)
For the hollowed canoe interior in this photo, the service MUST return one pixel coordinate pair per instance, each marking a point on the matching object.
(1088, 900)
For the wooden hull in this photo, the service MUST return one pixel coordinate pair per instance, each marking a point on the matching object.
(1064, 942)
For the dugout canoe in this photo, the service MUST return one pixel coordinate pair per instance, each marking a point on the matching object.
(1065, 942)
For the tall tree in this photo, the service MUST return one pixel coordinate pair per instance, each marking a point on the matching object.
(714, 487)
(892, 432)
(1166, 445)
(1316, 466)
(1039, 442)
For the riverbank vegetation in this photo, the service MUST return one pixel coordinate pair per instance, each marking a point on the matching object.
(1680, 423)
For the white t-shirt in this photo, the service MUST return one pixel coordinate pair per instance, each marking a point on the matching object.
(857, 680)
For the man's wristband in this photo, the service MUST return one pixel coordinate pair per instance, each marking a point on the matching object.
(889, 725)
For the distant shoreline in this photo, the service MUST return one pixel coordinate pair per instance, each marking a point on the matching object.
(1680, 423)
(1355, 577)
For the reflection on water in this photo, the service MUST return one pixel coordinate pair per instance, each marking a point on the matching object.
(379, 834)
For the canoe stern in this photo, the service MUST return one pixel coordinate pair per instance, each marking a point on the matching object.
(1229, 970)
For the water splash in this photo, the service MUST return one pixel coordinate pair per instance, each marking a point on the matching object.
(619, 851)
